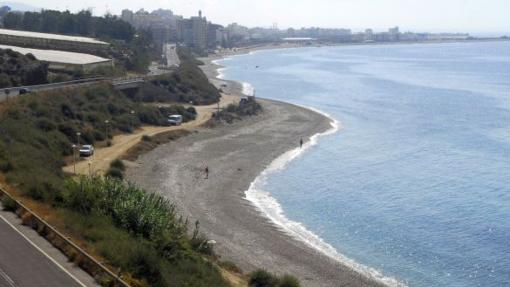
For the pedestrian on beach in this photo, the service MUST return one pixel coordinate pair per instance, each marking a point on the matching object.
(206, 172)
(301, 143)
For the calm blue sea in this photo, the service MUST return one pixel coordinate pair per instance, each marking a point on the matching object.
(416, 183)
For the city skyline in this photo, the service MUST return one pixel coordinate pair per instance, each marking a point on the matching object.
(474, 16)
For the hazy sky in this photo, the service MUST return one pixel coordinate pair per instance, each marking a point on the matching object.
(417, 15)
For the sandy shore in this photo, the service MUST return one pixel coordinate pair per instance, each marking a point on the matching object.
(236, 154)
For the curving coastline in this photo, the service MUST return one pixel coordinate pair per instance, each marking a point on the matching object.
(236, 155)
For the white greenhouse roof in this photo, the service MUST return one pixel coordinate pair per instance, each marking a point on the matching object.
(50, 36)
(55, 56)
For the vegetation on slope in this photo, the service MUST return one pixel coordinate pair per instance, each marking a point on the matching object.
(19, 70)
(131, 228)
(139, 232)
(38, 130)
(188, 84)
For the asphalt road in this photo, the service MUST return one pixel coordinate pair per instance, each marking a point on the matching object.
(22, 264)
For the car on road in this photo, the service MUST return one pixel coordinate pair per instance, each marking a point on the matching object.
(24, 91)
(86, 150)
(174, 120)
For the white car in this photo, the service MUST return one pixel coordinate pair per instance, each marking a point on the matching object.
(86, 150)
(174, 120)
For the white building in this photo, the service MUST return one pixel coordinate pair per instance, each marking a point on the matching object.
(64, 61)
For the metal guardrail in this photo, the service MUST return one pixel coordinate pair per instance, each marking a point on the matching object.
(95, 268)
(6, 93)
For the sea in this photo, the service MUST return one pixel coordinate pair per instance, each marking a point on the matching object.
(411, 185)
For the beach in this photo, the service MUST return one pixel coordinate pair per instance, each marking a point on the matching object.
(236, 155)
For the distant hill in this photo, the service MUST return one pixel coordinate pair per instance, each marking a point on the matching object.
(18, 6)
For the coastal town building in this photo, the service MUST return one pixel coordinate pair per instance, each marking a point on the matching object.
(198, 32)
(162, 24)
(166, 27)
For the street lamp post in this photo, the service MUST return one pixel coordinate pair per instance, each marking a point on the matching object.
(76, 147)
(74, 159)
(132, 119)
(106, 129)
(78, 135)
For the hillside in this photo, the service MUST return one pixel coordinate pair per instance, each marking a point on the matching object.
(19, 70)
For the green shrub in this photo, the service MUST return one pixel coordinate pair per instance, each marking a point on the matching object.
(118, 164)
(288, 281)
(115, 173)
(9, 204)
(146, 138)
(5, 165)
(133, 209)
(262, 278)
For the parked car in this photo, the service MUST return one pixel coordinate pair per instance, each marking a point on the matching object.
(24, 91)
(87, 150)
(174, 120)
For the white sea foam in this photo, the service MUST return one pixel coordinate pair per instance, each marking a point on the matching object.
(221, 73)
(221, 69)
(270, 207)
(248, 89)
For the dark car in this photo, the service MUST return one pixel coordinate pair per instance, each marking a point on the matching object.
(24, 91)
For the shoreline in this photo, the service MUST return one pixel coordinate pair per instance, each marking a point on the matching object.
(237, 155)
(268, 206)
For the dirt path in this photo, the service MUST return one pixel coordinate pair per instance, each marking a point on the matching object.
(102, 158)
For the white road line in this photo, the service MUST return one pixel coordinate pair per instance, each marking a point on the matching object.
(45, 254)
(7, 278)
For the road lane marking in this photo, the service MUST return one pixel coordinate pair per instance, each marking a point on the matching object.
(6, 278)
(44, 253)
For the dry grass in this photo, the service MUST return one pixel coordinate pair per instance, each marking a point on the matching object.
(150, 143)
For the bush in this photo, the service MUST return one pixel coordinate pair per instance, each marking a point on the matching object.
(9, 204)
(146, 138)
(5, 166)
(262, 278)
(289, 281)
(115, 173)
(118, 164)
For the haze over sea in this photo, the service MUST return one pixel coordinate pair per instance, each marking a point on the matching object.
(415, 184)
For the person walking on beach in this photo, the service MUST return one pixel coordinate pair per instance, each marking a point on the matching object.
(301, 143)
(206, 172)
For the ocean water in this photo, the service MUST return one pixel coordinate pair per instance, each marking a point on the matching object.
(414, 187)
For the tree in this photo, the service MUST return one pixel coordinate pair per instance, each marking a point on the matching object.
(13, 20)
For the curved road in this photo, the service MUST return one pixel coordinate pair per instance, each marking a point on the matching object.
(22, 264)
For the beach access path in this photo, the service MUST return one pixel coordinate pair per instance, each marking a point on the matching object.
(100, 161)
